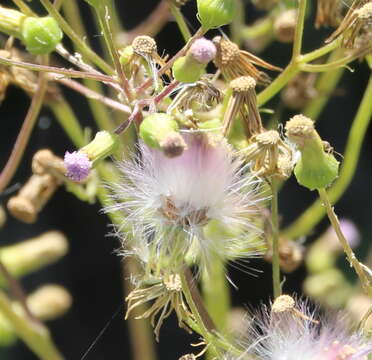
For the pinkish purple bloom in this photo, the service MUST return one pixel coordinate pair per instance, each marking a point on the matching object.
(203, 50)
(77, 165)
(204, 200)
(289, 336)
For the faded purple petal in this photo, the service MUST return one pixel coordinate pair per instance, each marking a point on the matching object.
(77, 165)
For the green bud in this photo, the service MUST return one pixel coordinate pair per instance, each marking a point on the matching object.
(33, 254)
(41, 35)
(160, 131)
(187, 70)
(316, 168)
(215, 13)
(103, 145)
(126, 55)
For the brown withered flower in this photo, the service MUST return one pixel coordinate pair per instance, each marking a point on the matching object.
(234, 62)
(285, 26)
(356, 22)
(328, 13)
(167, 296)
(243, 102)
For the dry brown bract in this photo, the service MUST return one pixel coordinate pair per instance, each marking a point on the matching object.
(328, 13)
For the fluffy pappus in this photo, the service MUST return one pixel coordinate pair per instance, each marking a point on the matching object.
(202, 203)
(289, 336)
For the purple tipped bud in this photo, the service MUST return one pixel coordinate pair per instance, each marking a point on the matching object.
(77, 165)
(203, 50)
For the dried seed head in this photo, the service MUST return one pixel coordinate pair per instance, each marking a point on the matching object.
(243, 84)
(283, 303)
(285, 25)
(243, 101)
(173, 282)
(365, 12)
(299, 128)
(45, 162)
(328, 13)
(32, 197)
(173, 145)
(233, 62)
(144, 45)
(49, 302)
(268, 138)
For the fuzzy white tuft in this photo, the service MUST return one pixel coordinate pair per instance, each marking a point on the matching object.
(206, 197)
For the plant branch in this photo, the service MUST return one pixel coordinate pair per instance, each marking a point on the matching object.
(297, 43)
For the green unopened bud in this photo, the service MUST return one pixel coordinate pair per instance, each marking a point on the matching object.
(103, 145)
(160, 131)
(33, 254)
(215, 13)
(316, 168)
(11, 21)
(126, 55)
(187, 70)
(41, 35)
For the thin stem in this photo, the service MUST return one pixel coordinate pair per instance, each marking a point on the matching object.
(316, 54)
(99, 111)
(289, 72)
(170, 62)
(214, 285)
(261, 28)
(238, 23)
(347, 249)
(24, 134)
(297, 43)
(57, 70)
(325, 86)
(308, 219)
(104, 20)
(275, 238)
(35, 335)
(184, 29)
(24, 8)
(95, 96)
(75, 38)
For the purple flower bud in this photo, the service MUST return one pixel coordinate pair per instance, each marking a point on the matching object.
(203, 50)
(77, 165)
(350, 232)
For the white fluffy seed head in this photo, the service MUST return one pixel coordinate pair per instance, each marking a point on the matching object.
(204, 199)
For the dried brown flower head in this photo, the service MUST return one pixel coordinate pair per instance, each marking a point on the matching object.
(234, 62)
(328, 13)
(285, 25)
(356, 22)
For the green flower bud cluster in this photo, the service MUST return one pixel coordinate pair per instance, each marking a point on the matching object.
(160, 131)
(215, 13)
(316, 168)
(40, 35)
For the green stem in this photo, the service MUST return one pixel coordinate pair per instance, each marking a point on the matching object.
(260, 28)
(347, 249)
(316, 54)
(238, 23)
(215, 286)
(308, 219)
(275, 238)
(75, 38)
(103, 15)
(98, 110)
(297, 43)
(24, 134)
(265, 95)
(325, 86)
(177, 14)
(35, 335)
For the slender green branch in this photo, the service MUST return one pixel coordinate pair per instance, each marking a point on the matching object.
(177, 14)
(75, 38)
(308, 219)
(24, 134)
(275, 238)
(35, 335)
(297, 43)
(325, 87)
(238, 23)
(347, 249)
(57, 70)
(103, 15)
(316, 54)
(24, 8)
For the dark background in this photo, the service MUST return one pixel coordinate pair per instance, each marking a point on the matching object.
(92, 272)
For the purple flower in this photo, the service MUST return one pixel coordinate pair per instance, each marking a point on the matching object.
(77, 165)
(203, 50)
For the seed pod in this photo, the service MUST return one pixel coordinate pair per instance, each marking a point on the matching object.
(41, 35)
(215, 13)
